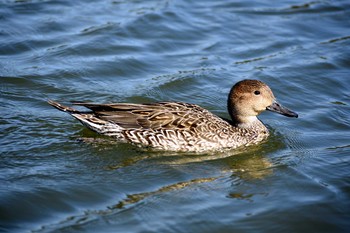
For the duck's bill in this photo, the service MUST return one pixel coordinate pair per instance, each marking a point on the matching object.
(276, 107)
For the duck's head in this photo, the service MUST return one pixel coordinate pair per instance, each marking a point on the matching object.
(248, 98)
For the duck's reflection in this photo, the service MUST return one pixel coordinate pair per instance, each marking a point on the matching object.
(242, 168)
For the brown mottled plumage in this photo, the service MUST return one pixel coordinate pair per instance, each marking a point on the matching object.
(180, 126)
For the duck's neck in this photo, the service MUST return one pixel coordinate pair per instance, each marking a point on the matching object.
(250, 123)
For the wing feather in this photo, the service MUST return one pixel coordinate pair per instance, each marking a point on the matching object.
(167, 115)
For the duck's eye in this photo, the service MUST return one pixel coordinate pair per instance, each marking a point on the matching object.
(257, 92)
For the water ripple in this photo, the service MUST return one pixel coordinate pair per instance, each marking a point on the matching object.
(64, 177)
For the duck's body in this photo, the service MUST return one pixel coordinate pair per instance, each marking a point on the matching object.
(177, 126)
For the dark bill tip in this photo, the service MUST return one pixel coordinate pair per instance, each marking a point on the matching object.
(276, 107)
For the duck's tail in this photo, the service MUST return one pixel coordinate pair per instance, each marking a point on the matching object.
(90, 120)
(62, 107)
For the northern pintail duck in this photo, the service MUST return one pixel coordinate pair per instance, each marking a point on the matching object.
(178, 126)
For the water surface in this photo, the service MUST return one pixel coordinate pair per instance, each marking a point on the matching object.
(56, 176)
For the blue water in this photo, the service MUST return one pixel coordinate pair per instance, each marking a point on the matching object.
(57, 176)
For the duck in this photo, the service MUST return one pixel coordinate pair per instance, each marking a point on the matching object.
(180, 126)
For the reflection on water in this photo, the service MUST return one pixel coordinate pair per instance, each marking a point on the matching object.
(134, 198)
(244, 168)
(253, 168)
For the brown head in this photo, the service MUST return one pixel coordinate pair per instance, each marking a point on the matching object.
(248, 98)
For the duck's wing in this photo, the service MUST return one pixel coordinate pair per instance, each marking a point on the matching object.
(167, 115)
